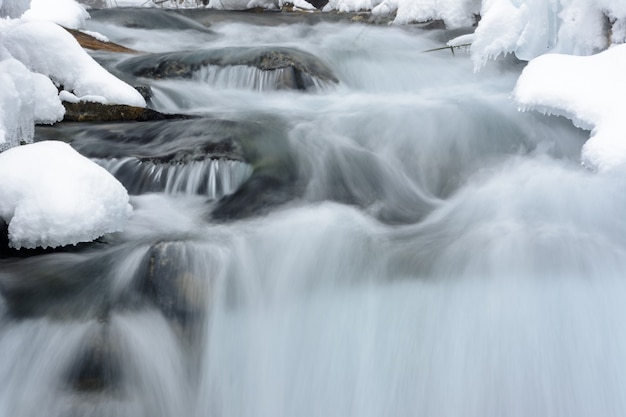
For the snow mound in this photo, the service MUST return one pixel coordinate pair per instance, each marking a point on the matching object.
(26, 98)
(51, 196)
(66, 13)
(48, 49)
(589, 90)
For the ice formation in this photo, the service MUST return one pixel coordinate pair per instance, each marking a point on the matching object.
(51, 196)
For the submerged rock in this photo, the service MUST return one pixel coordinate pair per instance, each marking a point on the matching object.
(98, 364)
(173, 284)
(142, 18)
(291, 68)
(59, 285)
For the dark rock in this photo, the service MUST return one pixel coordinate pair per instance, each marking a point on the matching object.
(145, 91)
(58, 284)
(4, 239)
(142, 18)
(318, 4)
(160, 141)
(87, 111)
(301, 67)
(173, 284)
(98, 366)
(257, 196)
(263, 144)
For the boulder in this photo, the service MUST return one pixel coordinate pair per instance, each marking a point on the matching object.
(301, 70)
(142, 18)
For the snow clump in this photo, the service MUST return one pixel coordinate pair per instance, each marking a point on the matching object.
(52, 196)
(589, 90)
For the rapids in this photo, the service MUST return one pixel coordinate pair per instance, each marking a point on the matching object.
(403, 243)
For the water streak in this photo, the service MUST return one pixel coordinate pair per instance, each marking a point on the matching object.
(214, 178)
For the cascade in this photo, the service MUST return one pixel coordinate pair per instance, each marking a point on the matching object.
(404, 243)
(214, 178)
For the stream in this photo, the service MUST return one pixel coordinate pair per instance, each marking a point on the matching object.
(382, 233)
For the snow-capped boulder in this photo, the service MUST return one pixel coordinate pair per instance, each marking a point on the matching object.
(51, 196)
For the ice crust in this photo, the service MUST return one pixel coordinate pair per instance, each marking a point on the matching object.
(51, 196)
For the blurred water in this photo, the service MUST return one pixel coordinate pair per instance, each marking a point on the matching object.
(447, 256)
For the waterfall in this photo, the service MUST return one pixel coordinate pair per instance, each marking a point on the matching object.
(213, 178)
(251, 78)
(408, 243)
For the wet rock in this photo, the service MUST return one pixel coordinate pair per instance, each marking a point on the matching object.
(257, 196)
(160, 141)
(181, 291)
(97, 366)
(58, 285)
(299, 70)
(4, 239)
(143, 18)
(89, 42)
(318, 4)
(87, 111)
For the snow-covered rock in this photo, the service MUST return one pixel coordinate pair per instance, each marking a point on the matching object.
(51, 196)
(48, 49)
(454, 13)
(590, 90)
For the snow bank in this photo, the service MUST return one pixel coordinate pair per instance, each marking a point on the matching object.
(34, 53)
(66, 13)
(49, 49)
(589, 90)
(51, 196)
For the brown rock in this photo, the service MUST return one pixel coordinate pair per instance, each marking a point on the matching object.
(85, 111)
(89, 42)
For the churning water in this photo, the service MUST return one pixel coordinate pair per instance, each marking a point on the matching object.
(436, 253)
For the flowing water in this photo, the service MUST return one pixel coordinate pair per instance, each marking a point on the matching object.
(407, 244)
